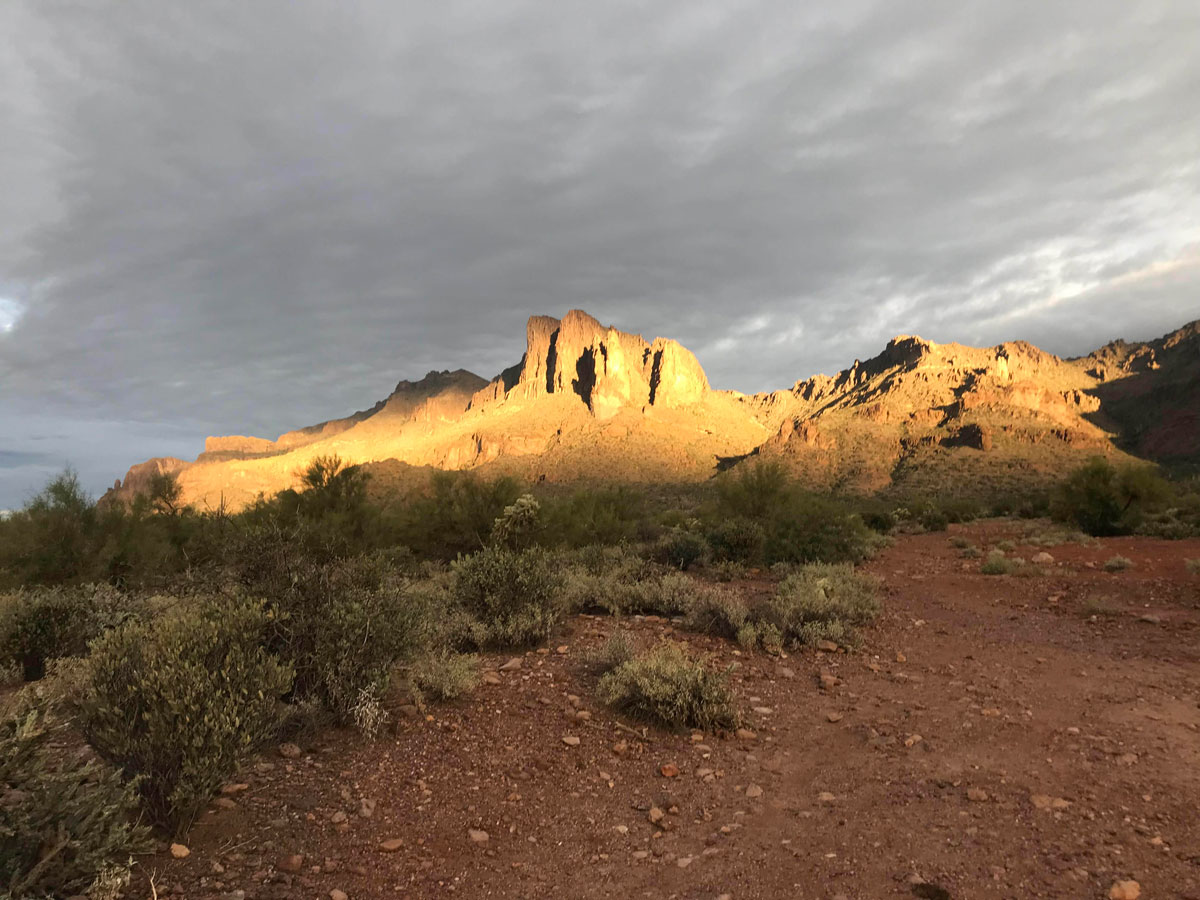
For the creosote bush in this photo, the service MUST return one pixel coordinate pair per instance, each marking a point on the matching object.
(515, 597)
(669, 688)
(821, 602)
(63, 826)
(179, 702)
(615, 651)
(680, 549)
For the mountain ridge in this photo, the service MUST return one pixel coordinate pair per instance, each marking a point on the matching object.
(588, 401)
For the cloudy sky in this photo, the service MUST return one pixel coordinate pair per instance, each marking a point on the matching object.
(232, 217)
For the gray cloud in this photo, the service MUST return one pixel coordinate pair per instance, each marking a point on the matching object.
(242, 217)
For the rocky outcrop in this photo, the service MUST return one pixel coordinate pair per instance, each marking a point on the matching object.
(607, 369)
(137, 479)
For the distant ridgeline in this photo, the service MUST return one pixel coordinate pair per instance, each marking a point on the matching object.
(589, 402)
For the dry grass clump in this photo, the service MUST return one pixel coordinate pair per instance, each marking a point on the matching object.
(821, 602)
(1193, 566)
(716, 611)
(1117, 564)
(998, 564)
(669, 688)
(445, 675)
(617, 650)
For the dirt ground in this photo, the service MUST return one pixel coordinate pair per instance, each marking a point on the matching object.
(995, 737)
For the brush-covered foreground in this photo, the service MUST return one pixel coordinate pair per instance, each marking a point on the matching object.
(305, 614)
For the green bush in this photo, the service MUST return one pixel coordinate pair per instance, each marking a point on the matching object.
(667, 687)
(818, 530)
(738, 540)
(679, 548)
(1103, 499)
(822, 602)
(445, 676)
(716, 611)
(515, 596)
(342, 624)
(998, 564)
(63, 827)
(595, 516)
(615, 651)
(43, 624)
(456, 515)
(180, 701)
(756, 492)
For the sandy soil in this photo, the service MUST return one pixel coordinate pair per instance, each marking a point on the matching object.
(996, 737)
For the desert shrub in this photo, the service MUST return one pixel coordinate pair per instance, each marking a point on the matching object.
(518, 526)
(755, 492)
(738, 540)
(1103, 499)
(770, 638)
(516, 596)
(1193, 566)
(716, 611)
(445, 676)
(180, 701)
(727, 571)
(971, 552)
(669, 688)
(615, 651)
(51, 623)
(822, 602)
(595, 516)
(998, 564)
(680, 548)
(1117, 564)
(959, 542)
(342, 624)
(456, 515)
(52, 539)
(818, 530)
(931, 518)
(63, 826)
(747, 636)
(1006, 546)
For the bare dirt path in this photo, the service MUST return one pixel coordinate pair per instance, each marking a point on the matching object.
(996, 737)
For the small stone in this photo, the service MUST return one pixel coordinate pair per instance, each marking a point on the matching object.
(338, 817)
(745, 734)
(491, 678)
(829, 682)
(640, 854)
(391, 845)
(1150, 619)
(366, 808)
(571, 740)
(620, 748)
(561, 649)
(827, 646)
(292, 863)
(179, 851)
(826, 798)
(335, 894)
(231, 789)
(912, 740)
(785, 672)
(621, 829)
(753, 792)
(1043, 558)
(763, 710)
(669, 770)
(655, 815)
(289, 751)
(1125, 890)
(512, 664)
(977, 795)
(990, 712)
(684, 861)
(834, 716)
(900, 657)
(478, 835)
(224, 803)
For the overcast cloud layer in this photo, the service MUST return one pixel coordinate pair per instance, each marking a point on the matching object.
(245, 217)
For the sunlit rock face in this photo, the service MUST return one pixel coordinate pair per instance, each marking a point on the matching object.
(607, 369)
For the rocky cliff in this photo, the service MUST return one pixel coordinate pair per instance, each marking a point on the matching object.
(588, 401)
